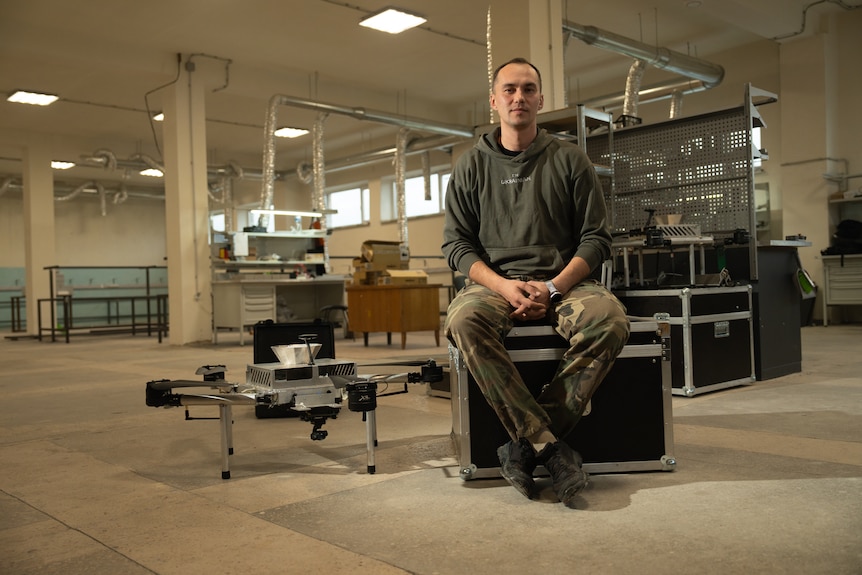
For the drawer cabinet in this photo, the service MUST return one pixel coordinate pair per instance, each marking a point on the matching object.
(842, 282)
(238, 306)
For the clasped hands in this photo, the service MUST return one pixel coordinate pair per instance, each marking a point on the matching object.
(530, 300)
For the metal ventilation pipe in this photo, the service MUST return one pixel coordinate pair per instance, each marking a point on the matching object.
(74, 193)
(277, 100)
(318, 163)
(7, 183)
(149, 161)
(649, 94)
(400, 191)
(633, 88)
(108, 160)
(707, 72)
(417, 145)
(676, 105)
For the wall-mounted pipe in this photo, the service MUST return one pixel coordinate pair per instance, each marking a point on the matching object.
(707, 72)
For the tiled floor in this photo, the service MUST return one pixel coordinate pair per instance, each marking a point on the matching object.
(768, 477)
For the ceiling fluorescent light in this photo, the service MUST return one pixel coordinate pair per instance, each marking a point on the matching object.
(35, 98)
(62, 165)
(159, 117)
(290, 132)
(152, 172)
(392, 20)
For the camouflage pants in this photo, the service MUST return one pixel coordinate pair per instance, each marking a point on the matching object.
(589, 317)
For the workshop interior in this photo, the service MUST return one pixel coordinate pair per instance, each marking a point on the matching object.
(222, 294)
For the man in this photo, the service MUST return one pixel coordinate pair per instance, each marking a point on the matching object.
(526, 223)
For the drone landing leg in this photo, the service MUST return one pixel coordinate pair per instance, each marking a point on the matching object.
(226, 424)
(370, 438)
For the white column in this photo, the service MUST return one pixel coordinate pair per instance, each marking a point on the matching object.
(187, 210)
(39, 237)
(531, 30)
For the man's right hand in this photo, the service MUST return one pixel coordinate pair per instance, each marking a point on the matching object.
(526, 300)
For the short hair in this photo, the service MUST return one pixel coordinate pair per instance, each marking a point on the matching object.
(515, 61)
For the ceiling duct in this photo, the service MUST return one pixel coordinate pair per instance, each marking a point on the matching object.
(414, 146)
(400, 191)
(104, 158)
(676, 105)
(652, 93)
(64, 191)
(268, 188)
(707, 72)
(7, 183)
(633, 88)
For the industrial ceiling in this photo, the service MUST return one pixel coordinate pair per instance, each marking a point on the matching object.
(109, 62)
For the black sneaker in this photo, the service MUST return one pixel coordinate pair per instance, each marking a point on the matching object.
(564, 465)
(517, 463)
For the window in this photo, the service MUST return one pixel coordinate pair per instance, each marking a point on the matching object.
(351, 205)
(217, 222)
(217, 231)
(414, 196)
(755, 140)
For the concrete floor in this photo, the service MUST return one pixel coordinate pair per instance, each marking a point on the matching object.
(768, 477)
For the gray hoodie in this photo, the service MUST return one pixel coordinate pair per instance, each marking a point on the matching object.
(525, 215)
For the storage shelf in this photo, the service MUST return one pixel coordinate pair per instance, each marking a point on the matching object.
(289, 234)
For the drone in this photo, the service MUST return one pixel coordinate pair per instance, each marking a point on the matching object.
(315, 389)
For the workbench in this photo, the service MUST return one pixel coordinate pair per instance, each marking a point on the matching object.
(394, 308)
(242, 302)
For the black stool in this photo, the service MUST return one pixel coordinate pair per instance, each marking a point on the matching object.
(326, 314)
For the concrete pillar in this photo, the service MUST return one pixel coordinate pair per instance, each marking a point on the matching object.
(39, 237)
(531, 30)
(187, 210)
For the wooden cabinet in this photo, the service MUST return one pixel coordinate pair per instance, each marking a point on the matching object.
(394, 308)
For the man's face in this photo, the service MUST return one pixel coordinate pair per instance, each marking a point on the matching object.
(516, 96)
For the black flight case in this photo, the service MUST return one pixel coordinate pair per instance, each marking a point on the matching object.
(629, 425)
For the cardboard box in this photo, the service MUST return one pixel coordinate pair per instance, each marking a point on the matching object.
(402, 277)
(363, 277)
(385, 253)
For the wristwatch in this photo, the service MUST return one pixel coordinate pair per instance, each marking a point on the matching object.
(556, 296)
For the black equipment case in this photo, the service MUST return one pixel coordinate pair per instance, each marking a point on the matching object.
(629, 425)
(712, 339)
